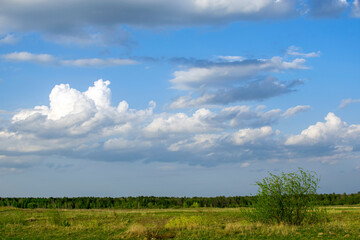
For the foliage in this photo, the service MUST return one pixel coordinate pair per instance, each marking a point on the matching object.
(288, 198)
(160, 202)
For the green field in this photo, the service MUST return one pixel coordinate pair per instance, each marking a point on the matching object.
(197, 223)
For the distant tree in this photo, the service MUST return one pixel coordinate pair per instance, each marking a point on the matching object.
(288, 198)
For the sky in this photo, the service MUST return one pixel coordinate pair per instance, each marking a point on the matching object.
(177, 98)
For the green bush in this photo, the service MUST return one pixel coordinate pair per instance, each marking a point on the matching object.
(288, 198)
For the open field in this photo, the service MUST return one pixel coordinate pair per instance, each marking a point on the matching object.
(197, 223)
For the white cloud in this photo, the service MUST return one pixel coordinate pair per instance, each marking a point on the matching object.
(84, 124)
(49, 59)
(180, 123)
(331, 132)
(245, 136)
(77, 112)
(294, 110)
(296, 51)
(348, 101)
(29, 57)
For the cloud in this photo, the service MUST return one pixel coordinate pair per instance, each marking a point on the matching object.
(211, 142)
(296, 51)
(355, 9)
(221, 73)
(257, 90)
(93, 62)
(85, 125)
(203, 120)
(348, 101)
(49, 59)
(327, 8)
(8, 39)
(93, 21)
(230, 79)
(107, 22)
(29, 57)
(294, 110)
(331, 132)
(248, 135)
(180, 123)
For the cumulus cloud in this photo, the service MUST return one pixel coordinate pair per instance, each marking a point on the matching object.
(204, 120)
(333, 131)
(86, 125)
(231, 79)
(327, 8)
(180, 123)
(49, 59)
(248, 135)
(77, 113)
(348, 101)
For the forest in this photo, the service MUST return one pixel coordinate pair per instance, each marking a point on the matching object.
(149, 202)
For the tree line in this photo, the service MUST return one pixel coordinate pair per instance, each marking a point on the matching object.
(160, 202)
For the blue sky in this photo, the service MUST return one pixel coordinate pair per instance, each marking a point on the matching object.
(177, 98)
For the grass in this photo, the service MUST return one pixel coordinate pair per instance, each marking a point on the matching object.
(200, 223)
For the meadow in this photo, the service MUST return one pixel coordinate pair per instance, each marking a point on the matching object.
(193, 223)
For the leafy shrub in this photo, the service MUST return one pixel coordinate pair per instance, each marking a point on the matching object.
(288, 198)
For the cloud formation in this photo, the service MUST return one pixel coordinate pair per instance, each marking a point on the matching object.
(85, 125)
(94, 21)
(331, 136)
(233, 78)
(50, 59)
(100, 22)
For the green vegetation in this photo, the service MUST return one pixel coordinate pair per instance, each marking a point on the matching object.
(289, 198)
(191, 223)
(160, 202)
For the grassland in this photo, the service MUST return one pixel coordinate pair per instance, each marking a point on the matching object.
(201, 223)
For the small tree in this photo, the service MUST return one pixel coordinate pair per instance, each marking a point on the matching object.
(288, 198)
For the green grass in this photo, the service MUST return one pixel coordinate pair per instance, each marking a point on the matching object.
(201, 223)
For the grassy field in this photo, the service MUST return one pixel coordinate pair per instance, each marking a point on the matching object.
(202, 223)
